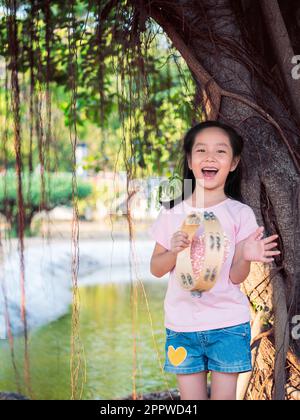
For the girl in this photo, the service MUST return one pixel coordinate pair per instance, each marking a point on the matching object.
(210, 331)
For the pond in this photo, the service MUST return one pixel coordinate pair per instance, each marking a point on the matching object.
(108, 319)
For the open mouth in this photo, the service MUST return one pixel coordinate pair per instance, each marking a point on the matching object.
(209, 173)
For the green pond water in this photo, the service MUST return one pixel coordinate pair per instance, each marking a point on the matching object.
(106, 331)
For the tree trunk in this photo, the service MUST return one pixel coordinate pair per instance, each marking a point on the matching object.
(240, 77)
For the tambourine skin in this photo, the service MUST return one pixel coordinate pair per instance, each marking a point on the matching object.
(213, 253)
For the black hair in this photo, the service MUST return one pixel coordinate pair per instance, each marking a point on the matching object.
(232, 188)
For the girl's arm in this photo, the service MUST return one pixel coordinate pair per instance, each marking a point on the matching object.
(164, 260)
(240, 268)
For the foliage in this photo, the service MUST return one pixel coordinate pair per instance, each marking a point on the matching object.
(58, 191)
(126, 97)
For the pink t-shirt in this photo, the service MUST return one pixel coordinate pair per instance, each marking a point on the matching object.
(225, 304)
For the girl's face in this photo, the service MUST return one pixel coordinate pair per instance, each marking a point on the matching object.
(212, 151)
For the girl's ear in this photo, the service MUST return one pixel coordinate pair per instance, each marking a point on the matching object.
(235, 163)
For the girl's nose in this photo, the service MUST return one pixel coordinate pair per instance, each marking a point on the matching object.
(210, 154)
(211, 158)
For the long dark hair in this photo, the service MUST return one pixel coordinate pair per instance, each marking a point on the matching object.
(232, 188)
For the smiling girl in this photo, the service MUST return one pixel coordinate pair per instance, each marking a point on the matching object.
(210, 331)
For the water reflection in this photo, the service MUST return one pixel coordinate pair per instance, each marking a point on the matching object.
(106, 322)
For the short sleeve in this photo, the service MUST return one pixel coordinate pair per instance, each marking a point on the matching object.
(160, 229)
(247, 224)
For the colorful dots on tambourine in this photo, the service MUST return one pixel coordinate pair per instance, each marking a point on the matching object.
(198, 266)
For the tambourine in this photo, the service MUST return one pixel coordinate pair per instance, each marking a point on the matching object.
(198, 268)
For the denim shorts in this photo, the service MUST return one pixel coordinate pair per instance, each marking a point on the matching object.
(222, 350)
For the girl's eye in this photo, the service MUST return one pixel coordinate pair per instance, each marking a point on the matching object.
(203, 150)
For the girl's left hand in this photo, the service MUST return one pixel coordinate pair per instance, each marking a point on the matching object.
(257, 249)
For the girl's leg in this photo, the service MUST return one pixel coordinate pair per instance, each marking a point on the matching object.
(223, 385)
(193, 386)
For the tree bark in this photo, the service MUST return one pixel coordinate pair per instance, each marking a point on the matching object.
(244, 92)
(283, 49)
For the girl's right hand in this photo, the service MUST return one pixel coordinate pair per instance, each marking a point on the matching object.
(179, 242)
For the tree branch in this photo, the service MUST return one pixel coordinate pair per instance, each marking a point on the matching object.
(283, 49)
